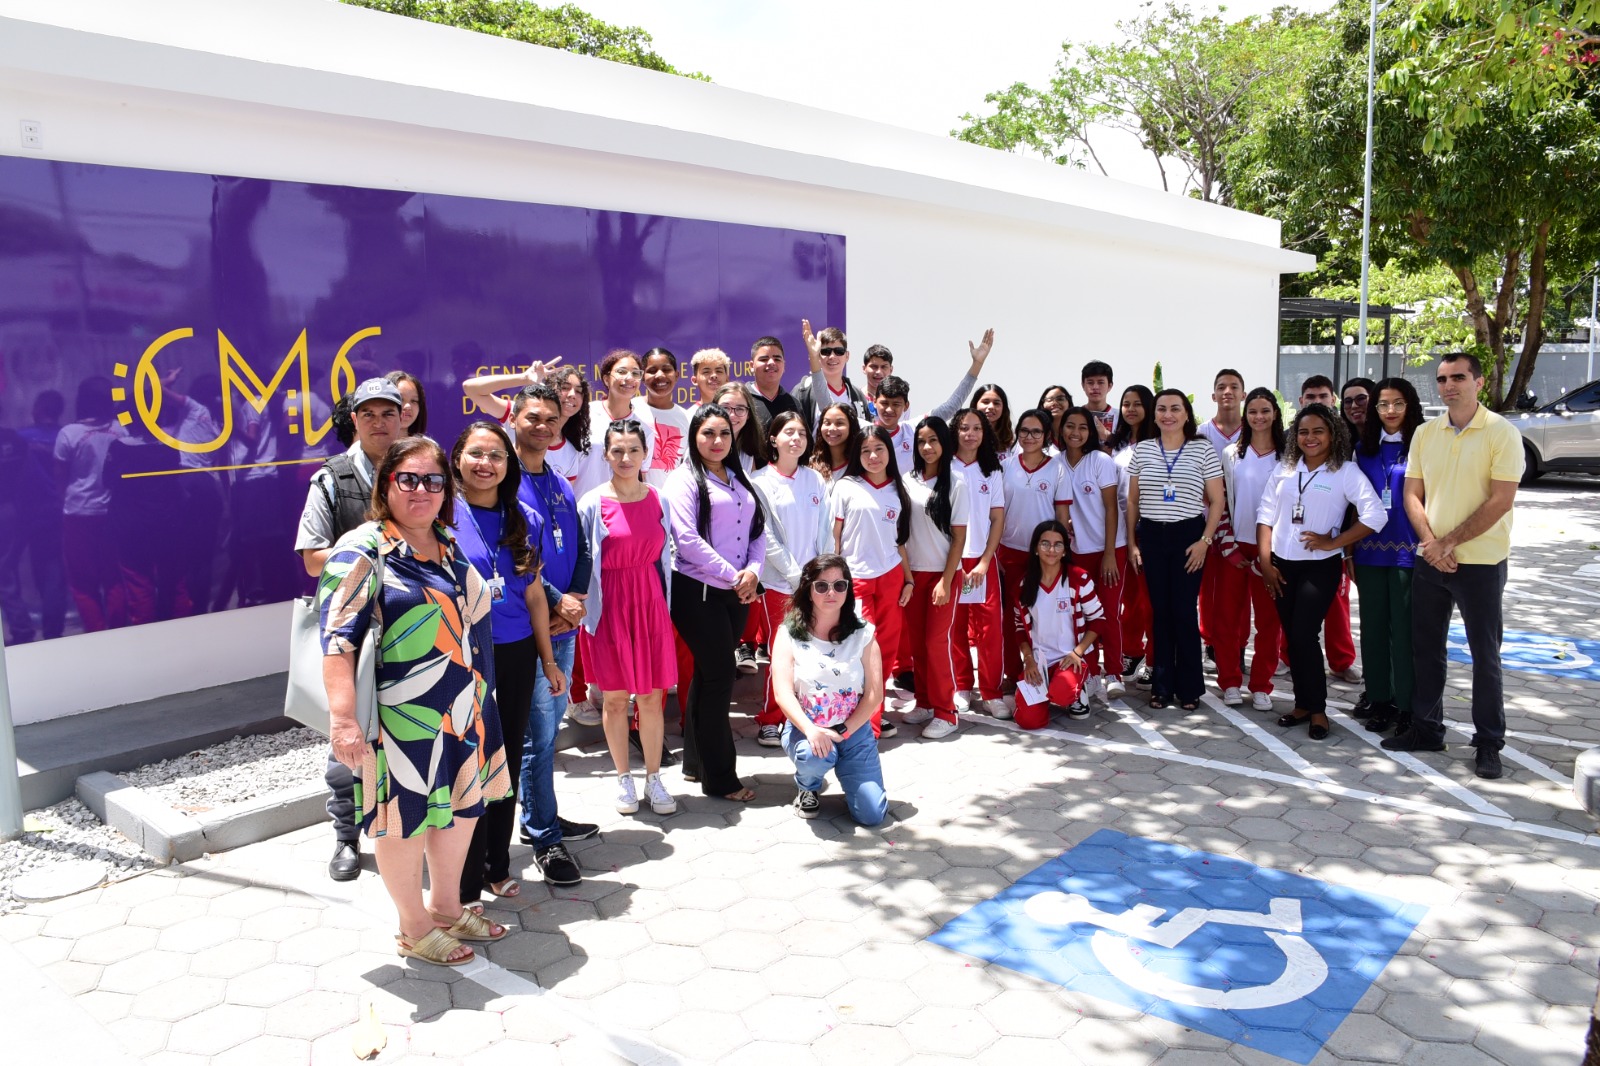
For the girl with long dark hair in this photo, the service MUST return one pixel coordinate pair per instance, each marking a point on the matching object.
(1057, 401)
(413, 403)
(978, 622)
(939, 512)
(721, 540)
(1099, 541)
(1384, 561)
(501, 537)
(1135, 422)
(871, 524)
(838, 438)
(1249, 468)
(1035, 490)
(992, 403)
(1057, 620)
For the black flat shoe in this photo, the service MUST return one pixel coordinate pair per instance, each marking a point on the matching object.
(1319, 730)
(346, 862)
(1288, 721)
(1364, 708)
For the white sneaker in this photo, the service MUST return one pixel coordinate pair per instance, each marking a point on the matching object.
(656, 793)
(1260, 701)
(1000, 709)
(964, 701)
(627, 798)
(1282, 670)
(1232, 697)
(1094, 689)
(1351, 673)
(916, 716)
(938, 729)
(1079, 709)
(1115, 689)
(584, 713)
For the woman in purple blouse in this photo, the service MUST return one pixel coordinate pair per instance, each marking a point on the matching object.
(721, 546)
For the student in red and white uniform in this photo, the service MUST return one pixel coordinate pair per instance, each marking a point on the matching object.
(1055, 400)
(799, 528)
(1249, 469)
(891, 396)
(1035, 490)
(871, 524)
(979, 625)
(1135, 423)
(837, 440)
(939, 513)
(1218, 614)
(1057, 618)
(1098, 537)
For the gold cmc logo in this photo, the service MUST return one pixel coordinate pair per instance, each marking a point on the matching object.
(238, 377)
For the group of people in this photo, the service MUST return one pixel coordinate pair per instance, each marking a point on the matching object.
(629, 547)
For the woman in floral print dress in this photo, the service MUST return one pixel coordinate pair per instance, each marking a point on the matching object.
(438, 758)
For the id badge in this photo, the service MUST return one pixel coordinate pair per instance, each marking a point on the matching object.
(497, 589)
(1298, 516)
(1388, 499)
(1169, 494)
(557, 532)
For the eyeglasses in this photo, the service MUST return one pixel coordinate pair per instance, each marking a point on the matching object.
(736, 409)
(1357, 400)
(840, 586)
(410, 482)
(496, 457)
(833, 351)
(1052, 546)
(1391, 405)
(1030, 432)
(620, 372)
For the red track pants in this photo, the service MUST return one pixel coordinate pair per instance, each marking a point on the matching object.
(931, 630)
(1107, 651)
(878, 599)
(978, 628)
(1065, 684)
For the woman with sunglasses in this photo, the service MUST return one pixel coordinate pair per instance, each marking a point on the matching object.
(422, 784)
(626, 639)
(721, 541)
(1036, 490)
(827, 674)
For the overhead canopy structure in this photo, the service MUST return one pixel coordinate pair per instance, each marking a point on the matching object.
(1309, 308)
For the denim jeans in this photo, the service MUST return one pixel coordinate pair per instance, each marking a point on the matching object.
(538, 785)
(854, 759)
(1476, 589)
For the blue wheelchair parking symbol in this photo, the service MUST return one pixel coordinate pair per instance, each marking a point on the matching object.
(1267, 959)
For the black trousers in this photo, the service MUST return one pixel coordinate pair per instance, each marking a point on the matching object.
(1174, 607)
(1309, 586)
(341, 804)
(710, 621)
(516, 665)
(1476, 588)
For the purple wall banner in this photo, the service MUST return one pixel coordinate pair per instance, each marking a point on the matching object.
(171, 345)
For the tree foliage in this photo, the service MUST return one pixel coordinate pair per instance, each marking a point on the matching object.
(1454, 51)
(568, 27)
(1186, 85)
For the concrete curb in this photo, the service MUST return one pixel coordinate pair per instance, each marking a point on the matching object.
(171, 836)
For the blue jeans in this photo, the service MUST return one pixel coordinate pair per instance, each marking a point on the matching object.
(538, 784)
(855, 759)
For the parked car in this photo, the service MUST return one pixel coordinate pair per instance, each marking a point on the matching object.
(1563, 435)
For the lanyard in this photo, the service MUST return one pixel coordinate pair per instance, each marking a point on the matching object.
(492, 550)
(1302, 486)
(1173, 462)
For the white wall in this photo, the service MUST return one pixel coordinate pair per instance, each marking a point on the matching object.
(943, 239)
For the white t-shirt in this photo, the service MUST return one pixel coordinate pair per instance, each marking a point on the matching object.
(1323, 494)
(904, 436)
(564, 459)
(1095, 471)
(927, 546)
(1220, 440)
(1059, 614)
(830, 678)
(1030, 498)
(592, 470)
(1252, 474)
(83, 449)
(672, 438)
(985, 492)
(871, 523)
(799, 523)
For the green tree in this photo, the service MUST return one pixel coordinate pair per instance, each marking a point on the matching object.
(1453, 51)
(1186, 85)
(1507, 211)
(567, 27)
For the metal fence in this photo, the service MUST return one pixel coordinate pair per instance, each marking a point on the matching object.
(1560, 369)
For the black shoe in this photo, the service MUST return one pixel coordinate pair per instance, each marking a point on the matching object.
(346, 862)
(1382, 717)
(667, 758)
(744, 658)
(1364, 707)
(887, 728)
(1489, 763)
(576, 830)
(557, 865)
(1130, 663)
(806, 804)
(1211, 656)
(905, 682)
(1144, 677)
(1410, 740)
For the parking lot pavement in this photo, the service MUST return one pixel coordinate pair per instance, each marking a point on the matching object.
(1139, 887)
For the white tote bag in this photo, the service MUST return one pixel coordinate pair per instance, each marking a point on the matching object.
(306, 700)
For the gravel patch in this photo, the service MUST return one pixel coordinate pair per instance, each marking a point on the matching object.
(239, 769)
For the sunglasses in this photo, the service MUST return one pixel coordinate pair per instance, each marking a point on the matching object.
(840, 586)
(410, 482)
(834, 351)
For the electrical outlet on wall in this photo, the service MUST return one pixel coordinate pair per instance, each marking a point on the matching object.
(32, 133)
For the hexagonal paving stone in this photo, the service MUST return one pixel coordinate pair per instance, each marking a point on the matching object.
(406, 1000)
(642, 1007)
(527, 952)
(1428, 1018)
(232, 958)
(279, 923)
(179, 998)
(197, 934)
(703, 1034)
(706, 894)
(113, 945)
(741, 950)
(456, 1033)
(317, 946)
(584, 978)
(862, 1045)
(805, 976)
(270, 985)
(1029, 1012)
(955, 1031)
(214, 1031)
(85, 920)
(265, 1051)
(140, 1037)
(313, 1013)
(953, 984)
(1367, 1037)
(684, 928)
(789, 1019)
(161, 912)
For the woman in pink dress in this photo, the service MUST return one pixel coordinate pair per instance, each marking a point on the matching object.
(627, 634)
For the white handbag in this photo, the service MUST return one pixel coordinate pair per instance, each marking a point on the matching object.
(306, 700)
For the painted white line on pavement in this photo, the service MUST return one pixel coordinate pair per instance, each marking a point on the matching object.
(1453, 814)
(1416, 765)
(1527, 762)
(607, 1039)
(1288, 755)
(1135, 722)
(1532, 738)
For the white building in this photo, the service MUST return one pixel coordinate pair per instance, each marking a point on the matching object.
(943, 238)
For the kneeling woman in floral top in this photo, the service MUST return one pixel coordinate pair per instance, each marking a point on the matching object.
(438, 758)
(827, 677)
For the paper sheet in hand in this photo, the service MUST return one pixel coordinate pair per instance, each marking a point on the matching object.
(977, 592)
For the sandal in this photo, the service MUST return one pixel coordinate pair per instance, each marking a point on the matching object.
(507, 889)
(1190, 705)
(472, 926)
(744, 795)
(435, 948)
(1160, 703)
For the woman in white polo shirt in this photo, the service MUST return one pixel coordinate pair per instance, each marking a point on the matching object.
(1302, 547)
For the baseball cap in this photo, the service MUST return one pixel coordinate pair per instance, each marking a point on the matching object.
(375, 389)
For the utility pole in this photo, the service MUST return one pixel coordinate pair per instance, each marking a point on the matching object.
(1366, 186)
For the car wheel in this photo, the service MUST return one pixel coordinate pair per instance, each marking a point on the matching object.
(1530, 464)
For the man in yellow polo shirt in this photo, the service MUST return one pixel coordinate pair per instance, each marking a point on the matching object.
(1461, 480)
